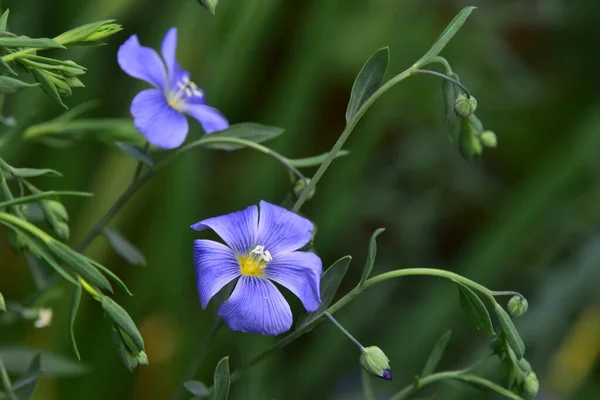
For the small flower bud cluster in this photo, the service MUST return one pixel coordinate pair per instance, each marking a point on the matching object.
(57, 217)
(473, 138)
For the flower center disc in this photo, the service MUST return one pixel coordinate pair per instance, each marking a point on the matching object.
(254, 263)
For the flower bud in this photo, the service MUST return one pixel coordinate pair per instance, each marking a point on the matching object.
(468, 141)
(465, 106)
(524, 365)
(89, 34)
(375, 362)
(59, 211)
(517, 306)
(210, 5)
(532, 384)
(301, 185)
(488, 138)
(62, 230)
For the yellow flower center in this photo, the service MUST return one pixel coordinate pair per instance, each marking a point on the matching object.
(185, 89)
(254, 263)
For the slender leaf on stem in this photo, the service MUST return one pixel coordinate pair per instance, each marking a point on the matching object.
(250, 131)
(74, 308)
(446, 35)
(4, 20)
(124, 248)
(436, 354)
(370, 256)
(34, 172)
(475, 309)
(196, 388)
(24, 41)
(137, 153)
(25, 385)
(6, 384)
(222, 380)
(314, 161)
(123, 321)
(111, 275)
(11, 85)
(510, 331)
(38, 196)
(19, 359)
(368, 81)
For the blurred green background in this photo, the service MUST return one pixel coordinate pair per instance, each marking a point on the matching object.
(525, 217)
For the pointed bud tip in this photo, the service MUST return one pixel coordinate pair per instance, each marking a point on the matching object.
(387, 374)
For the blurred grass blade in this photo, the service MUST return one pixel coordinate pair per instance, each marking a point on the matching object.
(6, 385)
(446, 35)
(196, 388)
(4, 21)
(250, 131)
(124, 248)
(436, 354)
(368, 81)
(24, 41)
(475, 310)
(136, 153)
(11, 85)
(510, 331)
(314, 161)
(2, 303)
(371, 255)
(25, 386)
(222, 380)
(74, 308)
(17, 360)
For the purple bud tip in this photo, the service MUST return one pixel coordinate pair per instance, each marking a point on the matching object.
(387, 374)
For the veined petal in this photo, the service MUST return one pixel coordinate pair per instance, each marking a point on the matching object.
(169, 53)
(257, 306)
(157, 121)
(300, 272)
(237, 229)
(216, 266)
(282, 231)
(141, 62)
(210, 118)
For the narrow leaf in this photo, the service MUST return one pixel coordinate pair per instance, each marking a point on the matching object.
(34, 172)
(25, 386)
(19, 359)
(11, 85)
(2, 303)
(370, 256)
(124, 248)
(446, 35)
(368, 81)
(4, 21)
(222, 380)
(436, 354)
(196, 388)
(6, 68)
(136, 153)
(74, 308)
(47, 85)
(475, 309)
(6, 384)
(123, 321)
(111, 275)
(510, 331)
(314, 161)
(24, 41)
(250, 131)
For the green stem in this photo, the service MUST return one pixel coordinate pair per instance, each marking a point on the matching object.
(344, 331)
(13, 220)
(8, 389)
(446, 77)
(140, 165)
(43, 195)
(440, 60)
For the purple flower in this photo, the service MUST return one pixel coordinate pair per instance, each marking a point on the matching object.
(260, 249)
(159, 113)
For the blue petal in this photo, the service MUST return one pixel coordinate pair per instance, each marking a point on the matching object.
(157, 121)
(169, 50)
(257, 306)
(300, 272)
(210, 118)
(282, 231)
(141, 62)
(216, 266)
(237, 229)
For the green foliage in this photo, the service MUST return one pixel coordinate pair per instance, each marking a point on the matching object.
(368, 81)
(475, 310)
(222, 380)
(370, 256)
(436, 354)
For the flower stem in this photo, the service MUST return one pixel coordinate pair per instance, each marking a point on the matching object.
(446, 77)
(344, 331)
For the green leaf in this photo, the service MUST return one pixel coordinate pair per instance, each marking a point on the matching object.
(111, 275)
(18, 360)
(38, 196)
(11, 85)
(24, 41)
(314, 161)
(210, 5)
(136, 153)
(74, 308)
(4, 21)
(6, 68)
(436, 354)
(510, 331)
(47, 85)
(6, 384)
(124, 248)
(446, 35)
(33, 172)
(25, 386)
(123, 352)
(222, 380)
(120, 317)
(475, 309)
(370, 256)
(196, 388)
(250, 131)
(368, 81)
(330, 282)
(2, 303)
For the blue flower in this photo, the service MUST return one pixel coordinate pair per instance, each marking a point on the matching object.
(260, 249)
(159, 113)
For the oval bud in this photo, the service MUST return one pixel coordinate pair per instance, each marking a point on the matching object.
(465, 106)
(299, 187)
(532, 384)
(62, 230)
(59, 211)
(375, 362)
(468, 141)
(517, 306)
(488, 138)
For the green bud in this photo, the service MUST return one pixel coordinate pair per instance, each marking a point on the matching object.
(524, 365)
(142, 358)
(2, 303)
(488, 138)
(468, 141)
(70, 68)
(210, 5)
(517, 306)
(532, 384)
(73, 82)
(89, 34)
(465, 106)
(375, 362)
(62, 230)
(299, 187)
(61, 86)
(59, 211)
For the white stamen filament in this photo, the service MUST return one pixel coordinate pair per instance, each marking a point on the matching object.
(264, 254)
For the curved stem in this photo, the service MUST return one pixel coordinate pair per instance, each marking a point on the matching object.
(411, 389)
(42, 195)
(441, 60)
(344, 331)
(446, 77)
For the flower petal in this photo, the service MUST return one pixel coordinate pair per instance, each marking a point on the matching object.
(282, 231)
(216, 266)
(169, 53)
(210, 118)
(141, 62)
(157, 121)
(237, 229)
(300, 272)
(257, 306)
